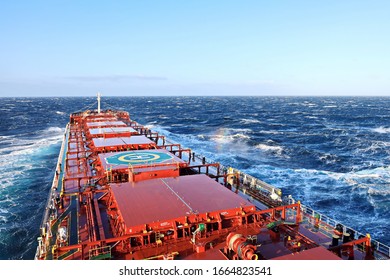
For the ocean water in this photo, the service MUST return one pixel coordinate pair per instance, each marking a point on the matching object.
(332, 153)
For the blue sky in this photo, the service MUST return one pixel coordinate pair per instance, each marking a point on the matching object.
(333, 47)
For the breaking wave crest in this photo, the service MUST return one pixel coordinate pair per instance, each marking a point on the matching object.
(249, 121)
(229, 138)
(381, 129)
(23, 146)
(274, 149)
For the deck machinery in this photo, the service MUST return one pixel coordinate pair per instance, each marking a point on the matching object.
(121, 191)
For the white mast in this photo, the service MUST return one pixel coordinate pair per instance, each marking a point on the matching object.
(98, 99)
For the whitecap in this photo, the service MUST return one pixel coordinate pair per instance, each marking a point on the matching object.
(330, 106)
(270, 132)
(3, 219)
(60, 113)
(249, 121)
(23, 147)
(240, 136)
(375, 146)
(328, 158)
(243, 130)
(308, 104)
(381, 129)
(6, 137)
(373, 191)
(54, 129)
(223, 139)
(275, 149)
(18, 158)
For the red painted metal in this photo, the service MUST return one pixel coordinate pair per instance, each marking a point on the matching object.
(161, 203)
(110, 132)
(317, 253)
(136, 142)
(106, 124)
(241, 247)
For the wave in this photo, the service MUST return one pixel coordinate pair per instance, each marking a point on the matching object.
(352, 197)
(54, 129)
(330, 106)
(381, 129)
(3, 219)
(328, 158)
(228, 138)
(274, 149)
(375, 172)
(374, 147)
(242, 130)
(186, 140)
(60, 113)
(373, 191)
(17, 155)
(19, 146)
(249, 121)
(308, 104)
(9, 174)
(270, 132)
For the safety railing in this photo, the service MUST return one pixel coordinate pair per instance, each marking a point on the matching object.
(378, 246)
(54, 185)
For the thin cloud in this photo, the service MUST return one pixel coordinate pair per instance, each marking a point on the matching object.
(117, 78)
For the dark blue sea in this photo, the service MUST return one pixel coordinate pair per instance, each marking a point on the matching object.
(332, 153)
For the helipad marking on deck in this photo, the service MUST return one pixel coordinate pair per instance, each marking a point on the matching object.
(138, 158)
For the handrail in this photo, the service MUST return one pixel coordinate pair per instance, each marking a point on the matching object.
(378, 246)
(54, 184)
(56, 177)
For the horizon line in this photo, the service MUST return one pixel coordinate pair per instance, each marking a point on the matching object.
(151, 96)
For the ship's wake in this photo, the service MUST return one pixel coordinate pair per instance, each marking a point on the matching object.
(26, 164)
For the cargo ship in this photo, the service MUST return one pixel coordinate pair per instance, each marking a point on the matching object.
(122, 191)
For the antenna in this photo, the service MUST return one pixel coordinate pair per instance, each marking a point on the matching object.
(98, 99)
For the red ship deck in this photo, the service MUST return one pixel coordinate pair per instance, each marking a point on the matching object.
(317, 253)
(120, 141)
(111, 130)
(160, 201)
(133, 142)
(106, 124)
